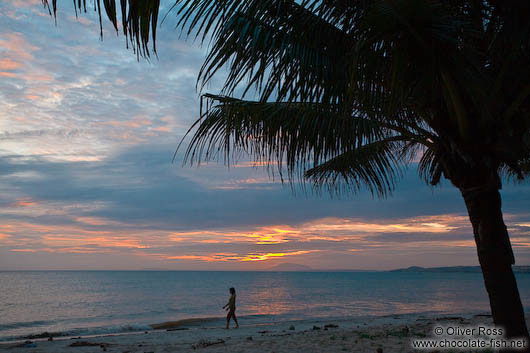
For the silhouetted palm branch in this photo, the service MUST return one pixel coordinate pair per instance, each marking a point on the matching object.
(139, 20)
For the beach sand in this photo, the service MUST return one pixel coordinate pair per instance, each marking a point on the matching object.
(383, 334)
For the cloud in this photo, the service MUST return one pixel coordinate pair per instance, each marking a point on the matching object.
(64, 85)
(235, 257)
(9, 64)
(15, 46)
(85, 221)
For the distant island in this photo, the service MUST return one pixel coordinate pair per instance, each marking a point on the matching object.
(516, 269)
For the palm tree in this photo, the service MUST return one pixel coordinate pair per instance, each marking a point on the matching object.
(348, 92)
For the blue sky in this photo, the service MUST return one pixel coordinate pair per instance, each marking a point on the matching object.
(87, 135)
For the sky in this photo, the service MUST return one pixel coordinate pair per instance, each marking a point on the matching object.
(87, 136)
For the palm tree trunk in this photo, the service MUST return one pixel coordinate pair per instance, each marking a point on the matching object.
(496, 259)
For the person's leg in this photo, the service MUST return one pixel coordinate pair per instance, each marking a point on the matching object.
(235, 319)
(228, 319)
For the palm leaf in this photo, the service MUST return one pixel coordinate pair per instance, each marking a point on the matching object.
(288, 51)
(297, 135)
(430, 166)
(376, 166)
(139, 20)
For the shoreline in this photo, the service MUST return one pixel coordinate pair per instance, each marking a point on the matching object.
(391, 333)
(210, 322)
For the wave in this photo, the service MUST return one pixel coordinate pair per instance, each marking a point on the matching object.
(14, 325)
(81, 332)
(193, 321)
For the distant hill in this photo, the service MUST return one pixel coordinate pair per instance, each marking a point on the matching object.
(516, 269)
(289, 267)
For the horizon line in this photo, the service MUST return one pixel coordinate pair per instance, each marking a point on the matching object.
(245, 270)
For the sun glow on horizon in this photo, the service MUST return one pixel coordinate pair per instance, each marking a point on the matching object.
(99, 235)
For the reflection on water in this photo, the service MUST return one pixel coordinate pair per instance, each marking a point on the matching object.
(353, 294)
(59, 301)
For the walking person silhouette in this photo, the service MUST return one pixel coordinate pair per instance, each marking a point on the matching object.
(231, 307)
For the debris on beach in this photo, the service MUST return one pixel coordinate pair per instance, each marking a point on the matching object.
(29, 344)
(102, 345)
(203, 343)
(449, 318)
(26, 344)
(177, 329)
(41, 335)
(184, 322)
(482, 315)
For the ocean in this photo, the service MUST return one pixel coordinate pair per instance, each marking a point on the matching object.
(78, 303)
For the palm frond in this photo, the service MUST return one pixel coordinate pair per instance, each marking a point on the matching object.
(516, 160)
(286, 50)
(430, 166)
(291, 134)
(139, 20)
(375, 166)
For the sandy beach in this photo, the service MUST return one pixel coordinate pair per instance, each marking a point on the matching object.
(378, 334)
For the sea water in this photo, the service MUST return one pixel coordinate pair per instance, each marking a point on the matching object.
(94, 302)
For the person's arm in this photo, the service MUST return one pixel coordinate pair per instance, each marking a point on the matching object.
(227, 304)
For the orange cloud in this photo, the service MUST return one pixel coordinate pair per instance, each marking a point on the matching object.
(8, 64)
(17, 53)
(162, 129)
(431, 224)
(236, 257)
(267, 256)
(326, 236)
(251, 164)
(72, 250)
(99, 238)
(65, 236)
(327, 229)
(261, 235)
(24, 203)
(523, 224)
(242, 183)
(16, 44)
(7, 74)
(38, 77)
(133, 124)
(94, 221)
(24, 3)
